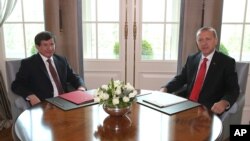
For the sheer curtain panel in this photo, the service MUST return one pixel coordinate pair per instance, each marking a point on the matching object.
(6, 7)
(5, 114)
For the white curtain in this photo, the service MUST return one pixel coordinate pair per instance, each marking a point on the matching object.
(6, 7)
(5, 113)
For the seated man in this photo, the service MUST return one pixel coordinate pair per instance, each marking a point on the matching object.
(213, 83)
(45, 74)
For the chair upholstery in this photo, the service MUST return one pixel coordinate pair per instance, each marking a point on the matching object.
(18, 104)
(234, 114)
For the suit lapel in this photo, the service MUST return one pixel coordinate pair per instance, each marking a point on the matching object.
(195, 68)
(58, 67)
(42, 66)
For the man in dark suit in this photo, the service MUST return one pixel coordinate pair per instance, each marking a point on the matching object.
(34, 80)
(220, 87)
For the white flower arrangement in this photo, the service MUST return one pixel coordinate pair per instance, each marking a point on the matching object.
(115, 94)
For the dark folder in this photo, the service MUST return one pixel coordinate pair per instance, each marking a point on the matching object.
(175, 105)
(69, 104)
(161, 99)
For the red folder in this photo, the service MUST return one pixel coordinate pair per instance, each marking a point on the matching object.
(78, 97)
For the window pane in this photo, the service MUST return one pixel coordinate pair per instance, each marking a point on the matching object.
(88, 10)
(231, 38)
(246, 44)
(233, 11)
(153, 10)
(248, 12)
(30, 32)
(89, 41)
(19, 34)
(154, 35)
(173, 10)
(33, 10)
(108, 35)
(16, 15)
(108, 10)
(171, 44)
(14, 41)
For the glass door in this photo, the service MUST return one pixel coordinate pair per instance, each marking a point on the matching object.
(103, 41)
(130, 40)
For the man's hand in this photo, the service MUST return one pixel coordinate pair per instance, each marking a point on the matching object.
(163, 90)
(33, 99)
(220, 107)
(81, 88)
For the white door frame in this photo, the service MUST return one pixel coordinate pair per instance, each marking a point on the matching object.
(142, 74)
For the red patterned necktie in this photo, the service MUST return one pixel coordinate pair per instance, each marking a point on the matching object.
(199, 81)
(55, 77)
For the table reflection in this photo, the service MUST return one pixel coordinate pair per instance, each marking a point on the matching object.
(195, 125)
(94, 124)
(33, 125)
(114, 127)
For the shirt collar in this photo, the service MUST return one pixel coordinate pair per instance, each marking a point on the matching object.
(209, 57)
(45, 58)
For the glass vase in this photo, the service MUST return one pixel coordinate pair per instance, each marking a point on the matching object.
(115, 111)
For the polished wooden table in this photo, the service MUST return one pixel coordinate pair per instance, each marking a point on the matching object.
(46, 122)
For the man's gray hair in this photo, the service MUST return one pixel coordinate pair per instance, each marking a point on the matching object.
(211, 29)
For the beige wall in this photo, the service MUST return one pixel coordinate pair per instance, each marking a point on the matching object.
(192, 21)
(61, 19)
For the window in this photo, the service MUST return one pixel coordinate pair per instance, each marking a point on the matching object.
(100, 28)
(160, 28)
(26, 20)
(235, 31)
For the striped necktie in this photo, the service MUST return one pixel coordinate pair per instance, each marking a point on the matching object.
(55, 77)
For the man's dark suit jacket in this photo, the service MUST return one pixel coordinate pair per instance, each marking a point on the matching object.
(221, 80)
(33, 78)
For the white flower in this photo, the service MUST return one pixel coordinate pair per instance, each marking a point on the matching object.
(105, 87)
(133, 94)
(129, 87)
(105, 96)
(118, 90)
(96, 94)
(117, 83)
(115, 101)
(125, 99)
(97, 99)
(99, 93)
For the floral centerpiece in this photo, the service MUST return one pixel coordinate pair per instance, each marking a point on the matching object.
(116, 94)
